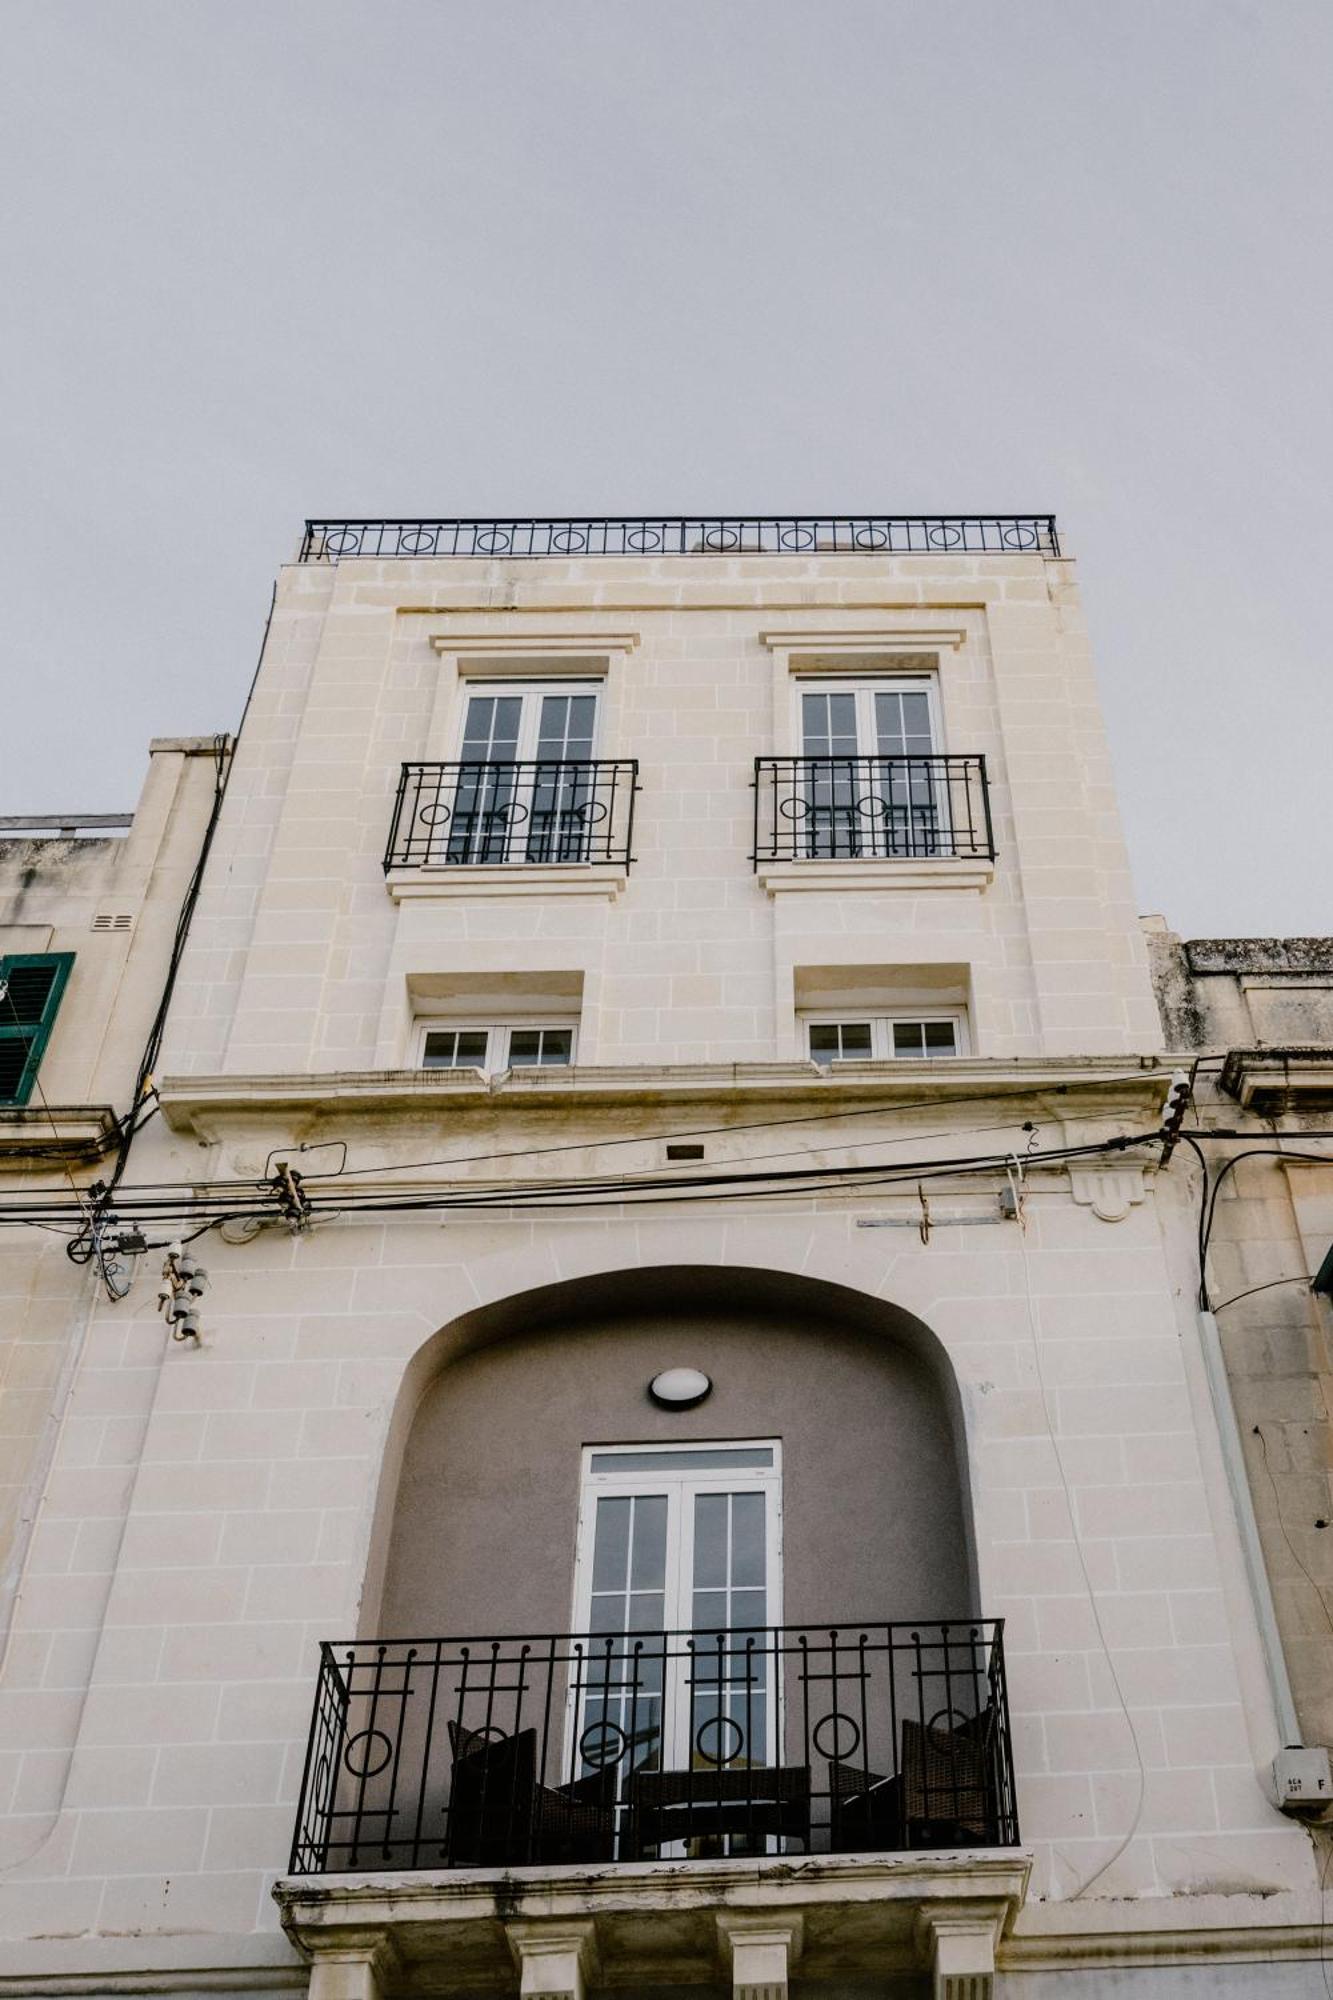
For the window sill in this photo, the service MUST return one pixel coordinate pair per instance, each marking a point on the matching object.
(836, 877)
(582, 878)
(64, 1132)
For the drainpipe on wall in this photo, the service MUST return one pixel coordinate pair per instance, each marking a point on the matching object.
(1301, 1773)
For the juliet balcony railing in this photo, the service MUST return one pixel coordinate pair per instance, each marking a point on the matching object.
(927, 808)
(541, 810)
(685, 535)
(588, 1749)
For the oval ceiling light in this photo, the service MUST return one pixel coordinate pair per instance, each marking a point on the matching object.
(679, 1388)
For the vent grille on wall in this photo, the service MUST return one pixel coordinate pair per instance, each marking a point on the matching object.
(113, 920)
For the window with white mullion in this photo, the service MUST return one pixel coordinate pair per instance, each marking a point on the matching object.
(870, 787)
(495, 1046)
(677, 1541)
(520, 794)
(920, 1037)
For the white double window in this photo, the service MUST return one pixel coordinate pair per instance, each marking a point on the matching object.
(524, 789)
(881, 1037)
(495, 1046)
(682, 1540)
(871, 781)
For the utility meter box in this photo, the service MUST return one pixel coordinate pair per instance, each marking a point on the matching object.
(1304, 1781)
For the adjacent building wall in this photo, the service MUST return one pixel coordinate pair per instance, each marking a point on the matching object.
(1239, 1003)
(114, 903)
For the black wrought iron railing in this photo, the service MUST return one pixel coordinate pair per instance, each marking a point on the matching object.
(505, 1752)
(686, 535)
(543, 810)
(871, 809)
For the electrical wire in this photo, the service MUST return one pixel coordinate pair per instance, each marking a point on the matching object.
(676, 1133)
(1258, 1430)
(1303, 1279)
(727, 1185)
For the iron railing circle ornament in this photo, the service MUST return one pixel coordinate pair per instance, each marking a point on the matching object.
(418, 542)
(342, 542)
(363, 1766)
(833, 1746)
(683, 535)
(719, 1723)
(1020, 535)
(601, 1755)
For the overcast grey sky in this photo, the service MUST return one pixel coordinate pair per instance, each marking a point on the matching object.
(434, 256)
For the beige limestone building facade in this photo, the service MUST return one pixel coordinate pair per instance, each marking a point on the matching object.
(699, 1467)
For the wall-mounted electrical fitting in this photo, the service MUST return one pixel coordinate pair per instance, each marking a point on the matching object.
(293, 1200)
(184, 1283)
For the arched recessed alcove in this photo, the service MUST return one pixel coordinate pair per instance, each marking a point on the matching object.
(478, 1518)
(599, 1628)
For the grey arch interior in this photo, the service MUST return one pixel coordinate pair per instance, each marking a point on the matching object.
(876, 1519)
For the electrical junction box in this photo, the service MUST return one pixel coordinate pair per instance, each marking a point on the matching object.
(1304, 1780)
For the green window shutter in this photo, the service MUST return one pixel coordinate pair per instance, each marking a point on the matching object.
(32, 984)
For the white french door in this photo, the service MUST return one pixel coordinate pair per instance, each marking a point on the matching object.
(523, 788)
(881, 793)
(684, 1541)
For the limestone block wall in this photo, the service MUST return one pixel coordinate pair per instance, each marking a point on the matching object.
(302, 959)
(210, 1519)
(51, 893)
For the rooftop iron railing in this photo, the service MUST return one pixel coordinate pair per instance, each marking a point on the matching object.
(686, 535)
(541, 810)
(593, 1748)
(871, 809)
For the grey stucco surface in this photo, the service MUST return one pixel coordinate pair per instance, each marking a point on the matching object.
(484, 1526)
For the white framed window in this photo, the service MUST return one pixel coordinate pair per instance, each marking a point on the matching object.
(682, 1539)
(921, 1037)
(870, 780)
(494, 1046)
(524, 790)
(883, 715)
(506, 721)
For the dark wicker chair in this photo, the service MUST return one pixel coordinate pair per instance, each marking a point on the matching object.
(500, 1816)
(865, 1810)
(944, 1794)
(949, 1793)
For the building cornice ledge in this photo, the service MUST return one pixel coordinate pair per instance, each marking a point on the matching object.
(1135, 1083)
(44, 1133)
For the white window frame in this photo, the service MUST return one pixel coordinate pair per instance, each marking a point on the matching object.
(498, 1037)
(745, 1479)
(532, 693)
(881, 1032)
(865, 687)
(679, 1576)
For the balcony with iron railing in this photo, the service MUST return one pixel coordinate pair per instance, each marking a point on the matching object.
(891, 808)
(594, 1749)
(536, 812)
(682, 535)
